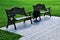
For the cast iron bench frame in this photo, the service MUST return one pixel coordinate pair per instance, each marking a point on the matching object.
(11, 13)
(43, 7)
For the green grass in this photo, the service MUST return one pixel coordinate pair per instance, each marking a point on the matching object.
(4, 35)
(28, 5)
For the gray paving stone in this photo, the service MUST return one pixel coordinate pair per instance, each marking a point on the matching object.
(47, 29)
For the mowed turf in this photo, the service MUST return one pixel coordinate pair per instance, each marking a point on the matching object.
(4, 35)
(28, 5)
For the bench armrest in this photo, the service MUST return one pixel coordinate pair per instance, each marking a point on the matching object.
(29, 13)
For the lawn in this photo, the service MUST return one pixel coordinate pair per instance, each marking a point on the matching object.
(4, 35)
(28, 5)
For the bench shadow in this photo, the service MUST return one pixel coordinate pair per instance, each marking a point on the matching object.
(27, 25)
(24, 26)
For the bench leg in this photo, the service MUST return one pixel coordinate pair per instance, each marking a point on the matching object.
(7, 26)
(36, 18)
(50, 15)
(24, 20)
(44, 14)
(31, 21)
(14, 25)
(39, 18)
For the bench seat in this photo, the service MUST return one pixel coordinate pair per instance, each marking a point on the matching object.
(11, 13)
(20, 18)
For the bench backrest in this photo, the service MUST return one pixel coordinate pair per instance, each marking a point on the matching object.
(18, 10)
(9, 13)
(12, 12)
(40, 7)
(10, 16)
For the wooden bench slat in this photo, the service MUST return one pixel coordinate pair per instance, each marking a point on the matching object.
(44, 12)
(20, 18)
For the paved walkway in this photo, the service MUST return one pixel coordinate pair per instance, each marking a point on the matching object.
(47, 29)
